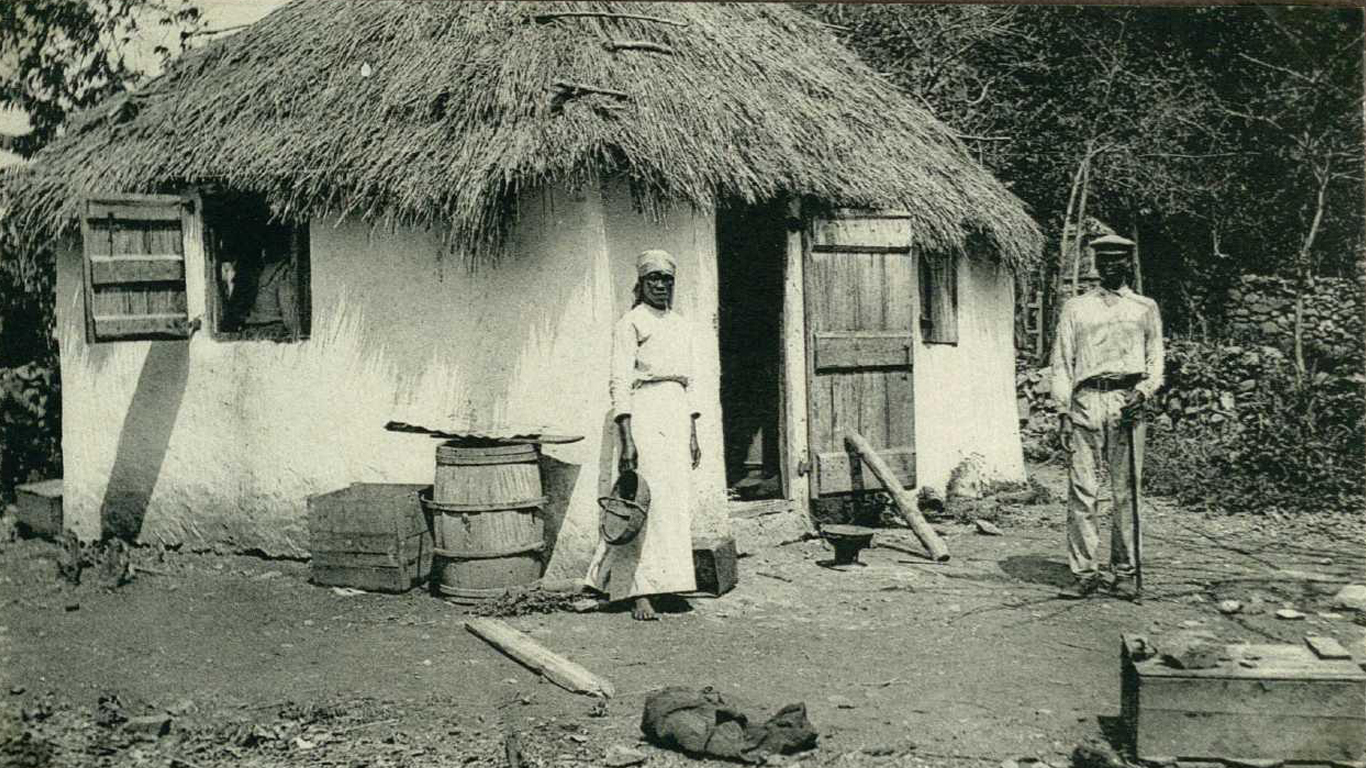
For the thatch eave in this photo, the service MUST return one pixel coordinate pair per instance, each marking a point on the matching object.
(437, 113)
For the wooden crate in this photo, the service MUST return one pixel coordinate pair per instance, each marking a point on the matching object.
(1292, 706)
(370, 536)
(713, 561)
(39, 508)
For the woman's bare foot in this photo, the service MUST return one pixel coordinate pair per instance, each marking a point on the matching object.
(644, 610)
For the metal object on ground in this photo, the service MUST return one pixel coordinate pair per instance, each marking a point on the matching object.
(369, 536)
(1259, 703)
(847, 540)
(39, 508)
(485, 513)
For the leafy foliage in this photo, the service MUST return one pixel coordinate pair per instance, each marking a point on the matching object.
(30, 424)
(60, 56)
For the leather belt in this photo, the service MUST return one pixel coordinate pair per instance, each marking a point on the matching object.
(1111, 384)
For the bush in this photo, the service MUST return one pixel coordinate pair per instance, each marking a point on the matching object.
(30, 425)
(1235, 431)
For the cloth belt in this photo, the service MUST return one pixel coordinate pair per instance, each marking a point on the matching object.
(1111, 383)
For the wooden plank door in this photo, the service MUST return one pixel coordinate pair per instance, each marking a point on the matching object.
(860, 300)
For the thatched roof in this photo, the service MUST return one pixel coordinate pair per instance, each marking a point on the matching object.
(430, 111)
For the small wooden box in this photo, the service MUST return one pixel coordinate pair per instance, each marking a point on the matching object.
(370, 536)
(1291, 705)
(39, 508)
(713, 561)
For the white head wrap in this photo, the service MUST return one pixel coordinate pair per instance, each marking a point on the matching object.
(655, 260)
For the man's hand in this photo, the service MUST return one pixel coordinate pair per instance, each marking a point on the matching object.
(1065, 432)
(1133, 405)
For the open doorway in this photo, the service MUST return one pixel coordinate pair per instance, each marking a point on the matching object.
(751, 251)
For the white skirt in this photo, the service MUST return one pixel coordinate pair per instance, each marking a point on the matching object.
(659, 559)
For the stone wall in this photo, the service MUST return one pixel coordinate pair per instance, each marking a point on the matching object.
(1263, 308)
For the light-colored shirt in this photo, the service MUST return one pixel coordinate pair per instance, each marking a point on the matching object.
(1104, 332)
(648, 345)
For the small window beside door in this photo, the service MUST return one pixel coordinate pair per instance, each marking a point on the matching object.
(938, 298)
(258, 271)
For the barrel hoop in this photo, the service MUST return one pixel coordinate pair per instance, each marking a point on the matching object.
(492, 506)
(472, 594)
(512, 454)
(489, 554)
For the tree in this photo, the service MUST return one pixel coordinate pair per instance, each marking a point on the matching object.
(60, 56)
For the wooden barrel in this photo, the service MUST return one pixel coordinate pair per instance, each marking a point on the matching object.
(486, 517)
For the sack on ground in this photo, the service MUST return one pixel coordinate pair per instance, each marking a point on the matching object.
(708, 723)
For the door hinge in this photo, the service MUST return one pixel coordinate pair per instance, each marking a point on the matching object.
(804, 467)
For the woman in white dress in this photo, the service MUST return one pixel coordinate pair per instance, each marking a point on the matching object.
(653, 404)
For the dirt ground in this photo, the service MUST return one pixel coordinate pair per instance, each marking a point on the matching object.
(899, 661)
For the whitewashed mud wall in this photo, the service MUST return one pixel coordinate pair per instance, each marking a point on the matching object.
(218, 444)
(965, 393)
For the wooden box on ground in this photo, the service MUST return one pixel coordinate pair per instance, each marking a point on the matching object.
(39, 508)
(370, 536)
(713, 561)
(1267, 702)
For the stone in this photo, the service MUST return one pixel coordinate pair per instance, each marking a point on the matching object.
(967, 481)
(619, 757)
(986, 528)
(1352, 597)
(1289, 614)
(149, 725)
(1191, 649)
(1230, 607)
(840, 702)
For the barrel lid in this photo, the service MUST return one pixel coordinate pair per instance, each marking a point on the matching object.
(503, 434)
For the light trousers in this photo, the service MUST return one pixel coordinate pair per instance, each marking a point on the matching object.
(1098, 434)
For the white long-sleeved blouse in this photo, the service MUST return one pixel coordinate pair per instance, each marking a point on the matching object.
(648, 345)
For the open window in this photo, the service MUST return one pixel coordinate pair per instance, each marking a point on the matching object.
(939, 298)
(135, 267)
(258, 271)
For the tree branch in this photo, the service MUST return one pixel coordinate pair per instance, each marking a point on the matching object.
(1278, 68)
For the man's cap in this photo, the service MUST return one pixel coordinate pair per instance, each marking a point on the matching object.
(1112, 244)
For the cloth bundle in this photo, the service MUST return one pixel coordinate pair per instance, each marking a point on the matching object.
(706, 723)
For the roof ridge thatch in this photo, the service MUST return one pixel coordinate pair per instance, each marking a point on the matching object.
(423, 111)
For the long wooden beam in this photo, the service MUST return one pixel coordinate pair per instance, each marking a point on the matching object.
(556, 668)
(904, 503)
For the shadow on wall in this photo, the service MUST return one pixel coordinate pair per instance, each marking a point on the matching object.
(144, 439)
(558, 479)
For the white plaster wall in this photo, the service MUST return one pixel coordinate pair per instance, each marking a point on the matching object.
(222, 442)
(965, 393)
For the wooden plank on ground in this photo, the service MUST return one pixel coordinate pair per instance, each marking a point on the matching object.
(538, 658)
(906, 505)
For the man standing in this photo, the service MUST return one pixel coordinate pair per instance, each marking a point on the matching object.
(1107, 360)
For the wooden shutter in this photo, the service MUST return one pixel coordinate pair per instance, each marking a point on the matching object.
(859, 300)
(135, 267)
(939, 298)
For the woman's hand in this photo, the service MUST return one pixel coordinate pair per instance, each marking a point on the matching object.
(629, 458)
(696, 450)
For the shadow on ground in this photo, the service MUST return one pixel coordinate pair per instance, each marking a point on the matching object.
(1037, 569)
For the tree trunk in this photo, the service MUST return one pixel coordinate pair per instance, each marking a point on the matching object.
(1138, 263)
(1050, 290)
(1302, 269)
(1081, 227)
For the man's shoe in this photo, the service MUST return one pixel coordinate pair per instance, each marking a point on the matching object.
(1080, 589)
(1124, 588)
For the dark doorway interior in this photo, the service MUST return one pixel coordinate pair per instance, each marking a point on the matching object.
(751, 243)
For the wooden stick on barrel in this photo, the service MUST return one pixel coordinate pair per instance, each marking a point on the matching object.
(904, 503)
(556, 668)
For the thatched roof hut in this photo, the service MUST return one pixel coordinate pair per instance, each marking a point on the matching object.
(226, 355)
(417, 111)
